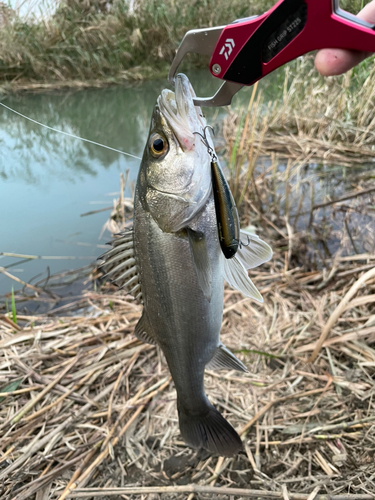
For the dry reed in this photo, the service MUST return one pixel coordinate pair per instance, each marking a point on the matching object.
(95, 43)
(325, 120)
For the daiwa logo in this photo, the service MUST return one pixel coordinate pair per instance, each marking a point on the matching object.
(227, 48)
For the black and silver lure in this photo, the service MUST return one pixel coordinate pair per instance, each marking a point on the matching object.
(228, 223)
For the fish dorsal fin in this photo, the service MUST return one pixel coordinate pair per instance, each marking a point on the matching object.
(236, 275)
(201, 260)
(253, 252)
(224, 359)
(143, 330)
(118, 265)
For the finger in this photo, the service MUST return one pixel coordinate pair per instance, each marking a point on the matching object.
(331, 62)
(368, 13)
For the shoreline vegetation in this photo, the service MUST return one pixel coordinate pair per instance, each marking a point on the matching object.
(96, 43)
(314, 119)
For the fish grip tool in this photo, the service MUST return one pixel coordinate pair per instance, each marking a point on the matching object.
(248, 49)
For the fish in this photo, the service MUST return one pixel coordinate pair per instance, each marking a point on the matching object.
(172, 262)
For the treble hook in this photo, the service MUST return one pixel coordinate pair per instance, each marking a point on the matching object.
(242, 244)
(204, 138)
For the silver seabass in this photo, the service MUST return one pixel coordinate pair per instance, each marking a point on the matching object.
(172, 262)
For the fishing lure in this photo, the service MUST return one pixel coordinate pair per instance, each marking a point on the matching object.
(228, 223)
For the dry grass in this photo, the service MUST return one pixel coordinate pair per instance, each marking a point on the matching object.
(84, 404)
(327, 120)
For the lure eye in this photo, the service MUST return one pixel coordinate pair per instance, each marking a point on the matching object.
(158, 145)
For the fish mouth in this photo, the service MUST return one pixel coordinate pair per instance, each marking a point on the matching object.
(183, 117)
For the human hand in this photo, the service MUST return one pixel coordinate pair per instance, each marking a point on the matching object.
(331, 62)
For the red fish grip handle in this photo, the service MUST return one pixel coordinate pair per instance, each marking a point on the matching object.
(249, 49)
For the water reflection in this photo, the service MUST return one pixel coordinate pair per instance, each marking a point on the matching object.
(115, 117)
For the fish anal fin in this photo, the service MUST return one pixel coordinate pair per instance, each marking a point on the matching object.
(201, 260)
(224, 359)
(143, 330)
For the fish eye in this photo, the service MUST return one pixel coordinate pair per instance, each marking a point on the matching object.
(158, 145)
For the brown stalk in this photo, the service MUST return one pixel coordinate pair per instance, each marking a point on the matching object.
(45, 391)
(211, 490)
(338, 311)
(114, 441)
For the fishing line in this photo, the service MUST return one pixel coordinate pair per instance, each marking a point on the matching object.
(69, 134)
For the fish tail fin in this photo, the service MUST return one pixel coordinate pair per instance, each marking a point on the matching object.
(208, 429)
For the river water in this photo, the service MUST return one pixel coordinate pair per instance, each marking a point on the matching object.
(47, 180)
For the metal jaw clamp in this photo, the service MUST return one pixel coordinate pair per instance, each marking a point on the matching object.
(203, 41)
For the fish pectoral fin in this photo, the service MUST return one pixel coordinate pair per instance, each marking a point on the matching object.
(224, 359)
(236, 276)
(143, 330)
(201, 260)
(253, 251)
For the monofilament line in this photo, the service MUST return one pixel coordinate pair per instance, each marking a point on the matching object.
(69, 134)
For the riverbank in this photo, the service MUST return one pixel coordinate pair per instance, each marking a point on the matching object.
(311, 120)
(84, 403)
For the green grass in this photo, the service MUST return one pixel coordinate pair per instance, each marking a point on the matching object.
(14, 311)
(86, 41)
(13, 386)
